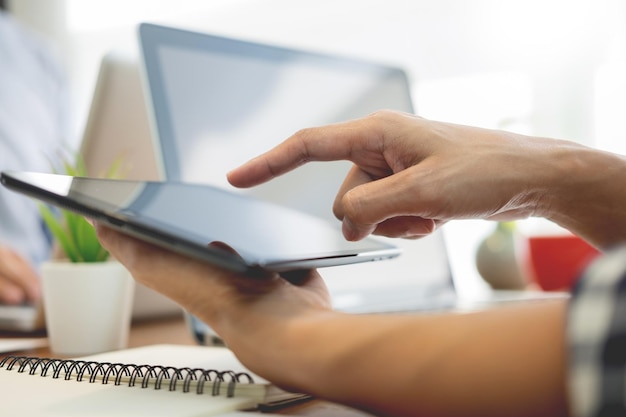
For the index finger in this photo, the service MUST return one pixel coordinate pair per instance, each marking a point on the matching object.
(328, 143)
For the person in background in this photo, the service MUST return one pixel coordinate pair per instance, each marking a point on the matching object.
(33, 129)
(410, 176)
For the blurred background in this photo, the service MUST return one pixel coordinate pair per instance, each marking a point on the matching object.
(543, 67)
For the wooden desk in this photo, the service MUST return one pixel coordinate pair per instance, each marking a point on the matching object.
(174, 330)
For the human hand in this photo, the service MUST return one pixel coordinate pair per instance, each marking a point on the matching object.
(411, 175)
(247, 312)
(19, 282)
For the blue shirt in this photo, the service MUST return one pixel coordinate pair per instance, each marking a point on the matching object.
(33, 129)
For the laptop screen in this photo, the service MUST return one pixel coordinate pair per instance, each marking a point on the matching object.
(216, 102)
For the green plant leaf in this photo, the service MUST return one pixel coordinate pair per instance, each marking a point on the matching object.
(87, 240)
(71, 224)
(77, 238)
(60, 233)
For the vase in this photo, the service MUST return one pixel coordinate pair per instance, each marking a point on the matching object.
(497, 259)
(87, 306)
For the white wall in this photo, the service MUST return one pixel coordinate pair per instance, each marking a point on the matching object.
(557, 45)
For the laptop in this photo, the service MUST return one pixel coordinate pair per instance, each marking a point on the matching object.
(215, 101)
(117, 129)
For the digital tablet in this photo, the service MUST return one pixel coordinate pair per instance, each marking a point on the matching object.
(203, 221)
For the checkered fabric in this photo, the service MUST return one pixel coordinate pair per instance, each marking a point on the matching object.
(596, 332)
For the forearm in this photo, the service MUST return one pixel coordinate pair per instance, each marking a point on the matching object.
(500, 362)
(587, 194)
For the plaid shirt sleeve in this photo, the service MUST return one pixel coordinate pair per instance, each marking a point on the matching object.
(596, 332)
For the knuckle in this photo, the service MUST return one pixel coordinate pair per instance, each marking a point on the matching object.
(302, 140)
(386, 116)
(352, 206)
(381, 114)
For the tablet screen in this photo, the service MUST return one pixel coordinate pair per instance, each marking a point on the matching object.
(190, 217)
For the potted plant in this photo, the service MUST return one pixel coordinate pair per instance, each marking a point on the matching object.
(76, 238)
(87, 297)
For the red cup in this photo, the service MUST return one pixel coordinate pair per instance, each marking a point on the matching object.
(556, 261)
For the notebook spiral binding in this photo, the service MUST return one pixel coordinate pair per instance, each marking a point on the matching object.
(118, 373)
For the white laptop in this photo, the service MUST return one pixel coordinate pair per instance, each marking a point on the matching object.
(117, 124)
(215, 102)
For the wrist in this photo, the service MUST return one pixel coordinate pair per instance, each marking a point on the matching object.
(555, 177)
(296, 343)
(583, 187)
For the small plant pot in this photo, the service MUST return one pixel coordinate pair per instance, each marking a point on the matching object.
(87, 306)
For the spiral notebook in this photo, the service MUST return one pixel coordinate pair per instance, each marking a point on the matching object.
(158, 380)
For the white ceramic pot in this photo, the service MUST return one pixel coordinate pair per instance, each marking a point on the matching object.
(497, 259)
(87, 306)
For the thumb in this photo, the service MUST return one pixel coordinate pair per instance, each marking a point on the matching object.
(389, 203)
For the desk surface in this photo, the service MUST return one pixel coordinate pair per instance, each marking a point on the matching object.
(174, 330)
